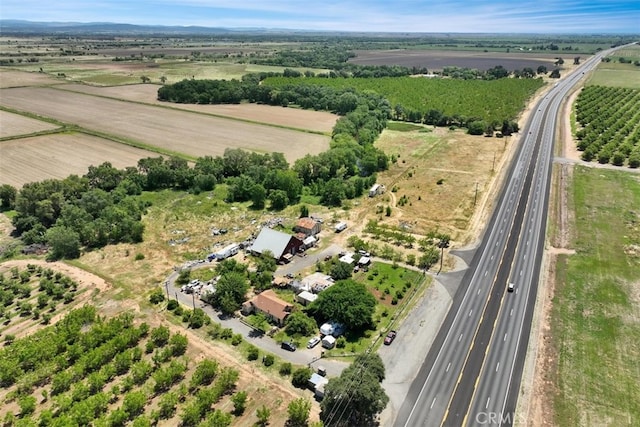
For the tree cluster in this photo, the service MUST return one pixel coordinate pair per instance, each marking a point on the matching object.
(347, 302)
(356, 397)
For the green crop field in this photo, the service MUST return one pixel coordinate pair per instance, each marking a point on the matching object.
(494, 100)
(597, 304)
(616, 74)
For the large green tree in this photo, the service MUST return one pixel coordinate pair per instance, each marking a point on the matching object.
(347, 302)
(356, 396)
(64, 243)
(298, 411)
(230, 292)
(299, 323)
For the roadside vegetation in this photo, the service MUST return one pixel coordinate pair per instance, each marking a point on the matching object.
(595, 315)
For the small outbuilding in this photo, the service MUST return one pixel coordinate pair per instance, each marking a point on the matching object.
(328, 342)
(317, 381)
(305, 297)
(307, 226)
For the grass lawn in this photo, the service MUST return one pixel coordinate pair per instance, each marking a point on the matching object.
(596, 315)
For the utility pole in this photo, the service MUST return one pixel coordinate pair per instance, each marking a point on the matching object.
(166, 288)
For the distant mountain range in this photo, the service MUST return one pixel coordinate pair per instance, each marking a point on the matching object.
(18, 27)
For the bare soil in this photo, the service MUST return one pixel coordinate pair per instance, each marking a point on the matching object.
(60, 155)
(317, 121)
(15, 125)
(13, 78)
(184, 132)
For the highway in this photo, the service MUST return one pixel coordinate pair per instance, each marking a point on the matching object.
(472, 372)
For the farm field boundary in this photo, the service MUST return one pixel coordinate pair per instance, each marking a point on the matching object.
(191, 134)
(287, 118)
(60, 155)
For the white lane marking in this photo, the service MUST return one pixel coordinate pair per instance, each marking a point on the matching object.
(432, 403)
(497, 366)
(511, 314)
(479, 291)
(448, 366)
(505, 337)
(470, 311)
(460, 338)
(487, 405)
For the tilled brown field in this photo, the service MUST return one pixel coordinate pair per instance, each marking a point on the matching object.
(15, 125)
(184, 132)
(317, 121)
(12, 78)
(60, 155)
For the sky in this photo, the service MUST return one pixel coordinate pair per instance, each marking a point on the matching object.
(435, 16)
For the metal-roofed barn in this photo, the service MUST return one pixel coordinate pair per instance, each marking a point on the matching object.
(282, 245)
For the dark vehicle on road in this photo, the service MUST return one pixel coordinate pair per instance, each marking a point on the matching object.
(390, 337)
(289, 346)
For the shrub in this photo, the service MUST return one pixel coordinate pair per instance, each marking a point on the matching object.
(157, 296)
(139, 256)
(172, 304)
(341, 342)
(178, 310)
(300, 377)
(236, 339)
(253, 353)
(268, 360)
(285, 369)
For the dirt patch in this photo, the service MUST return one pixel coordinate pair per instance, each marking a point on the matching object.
(60, 155)
(317, 121)
(91, 285)
(12, 78)
(183, 132)
(14, 125)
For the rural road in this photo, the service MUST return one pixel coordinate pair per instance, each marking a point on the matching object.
(302, 356)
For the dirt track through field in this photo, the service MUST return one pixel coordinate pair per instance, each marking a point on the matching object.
(177, 131)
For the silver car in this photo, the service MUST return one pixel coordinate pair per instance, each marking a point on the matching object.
(313, 342)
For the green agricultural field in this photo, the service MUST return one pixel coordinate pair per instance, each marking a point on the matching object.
(597, 304)
(616, 74)
(495, 100)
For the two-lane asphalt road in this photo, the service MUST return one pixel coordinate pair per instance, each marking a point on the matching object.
(472, 371)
